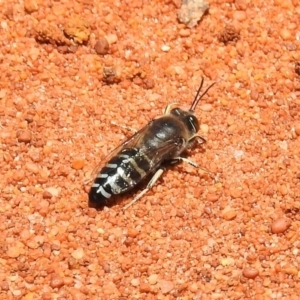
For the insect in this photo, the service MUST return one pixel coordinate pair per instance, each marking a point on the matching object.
(149, 151)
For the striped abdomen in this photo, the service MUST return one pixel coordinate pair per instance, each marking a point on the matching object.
(121, 173)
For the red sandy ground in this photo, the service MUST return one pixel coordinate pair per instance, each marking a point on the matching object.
(189, 237)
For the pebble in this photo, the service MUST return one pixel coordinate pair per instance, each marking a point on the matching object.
(4, 286)
(78, 164)
(135, 282)
(165, 286)
(24, 136)
(35, 242)
(77, 28)
(2, 93)
(4, 25)
(53, 231)
(204, 128)
(17, 293)
(297, 129)
(185, 32)
(230, 120)
(165, 48)
(227, 261)
(102, 46)
(106, 266)
(25, 234)
(215, 296)
(78, 253)
(145, 287)
(56, 245)
(280, 225)
(44, 174)
(229, 214)
(235, 193)
(18, 175)
(68, 280)
(33, 168)
(241, 4)
(58, 9)
(291, 271)
(76, 295)
(206, 107)
(34, 53)
(30, 6)
(111, 38)
(56, 281)
(191, 12)
(194, 287)
(53, 191)
(132, 232)
(29, 296)
(43, 207)
(212, 197)
(15, 251)
(250, 273)
(47, 195)
(152, 279)
(239, 16)
(285, 34)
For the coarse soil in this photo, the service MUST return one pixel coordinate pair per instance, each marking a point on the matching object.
(70, 71)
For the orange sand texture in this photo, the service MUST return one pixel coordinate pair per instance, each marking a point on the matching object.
(69, 69)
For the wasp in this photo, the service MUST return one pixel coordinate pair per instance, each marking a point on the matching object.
(148, 152)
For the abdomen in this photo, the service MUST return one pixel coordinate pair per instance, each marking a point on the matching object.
(121, 173)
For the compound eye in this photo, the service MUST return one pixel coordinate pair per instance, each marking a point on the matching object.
(193, 124)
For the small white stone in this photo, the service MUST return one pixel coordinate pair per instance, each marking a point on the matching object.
(152, 279)
(78, 253)
(100, 230)
(4, 25)
(165, 48)
(111, 38)
(53, 191)
(206, 107)
(238, 153)
(135, 282)
(204, 128)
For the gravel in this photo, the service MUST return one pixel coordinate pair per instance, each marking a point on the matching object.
(71, 68)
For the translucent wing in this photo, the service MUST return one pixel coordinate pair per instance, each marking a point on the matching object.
(160, 153)
(129, 143)
(155, 156)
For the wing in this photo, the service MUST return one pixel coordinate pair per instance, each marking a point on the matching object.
(161, 153)
(154, 156)
(129, 143)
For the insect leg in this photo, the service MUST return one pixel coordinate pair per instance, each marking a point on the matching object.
(195, 165)
(199, 138)
(151, 183)
(190, 162)
(124, 127)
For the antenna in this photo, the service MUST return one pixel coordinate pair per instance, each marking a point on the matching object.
(197, 97)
